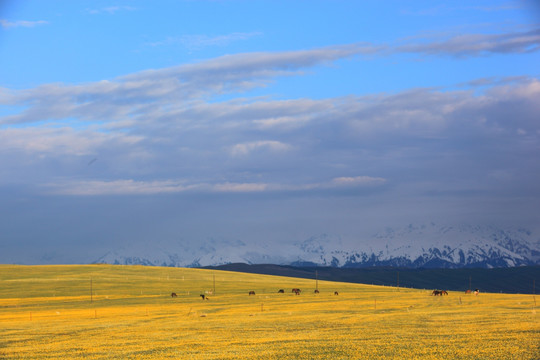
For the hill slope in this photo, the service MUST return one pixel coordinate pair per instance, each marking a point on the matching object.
(518, 280)
(48, 312)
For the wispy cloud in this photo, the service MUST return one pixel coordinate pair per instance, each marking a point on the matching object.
(21, 23)
(197, 42)
(110, 10)
(462, 45)
(151, 128)
(131, 94)
(116, 187)
(133, 187)
(446, 9)
(357, 181)
(468, 45)
(270, 145)
(47, 140)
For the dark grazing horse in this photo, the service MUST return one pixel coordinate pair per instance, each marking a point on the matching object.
(316, 291)
(336, 293)
(439, 292)
(281, 291)
(296, 291)
(204, 297)
(251, 293)
(173, 295)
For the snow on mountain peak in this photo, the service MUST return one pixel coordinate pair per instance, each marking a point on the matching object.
(428, 245)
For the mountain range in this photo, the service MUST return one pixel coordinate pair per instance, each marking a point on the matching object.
(413, 246)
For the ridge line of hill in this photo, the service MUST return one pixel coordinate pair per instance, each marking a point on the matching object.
(517, 280)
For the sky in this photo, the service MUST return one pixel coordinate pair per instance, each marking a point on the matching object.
(128, 122)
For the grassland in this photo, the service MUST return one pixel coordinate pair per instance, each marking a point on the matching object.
(126, 312)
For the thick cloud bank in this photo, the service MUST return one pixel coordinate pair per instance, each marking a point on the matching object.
(189, 151)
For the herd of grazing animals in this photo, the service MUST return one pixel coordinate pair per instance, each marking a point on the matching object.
(251, 292)
(444, 292)
(298, 291)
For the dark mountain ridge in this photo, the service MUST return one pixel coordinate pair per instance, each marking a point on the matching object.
(515, 280)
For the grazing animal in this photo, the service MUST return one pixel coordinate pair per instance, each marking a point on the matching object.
(296, 291)
(476, 291)
(251, 293)
(336, 293)
(204, 297)
(468, 291)
(316, 291)
(281, 291)
(173, 295)
(439, 292)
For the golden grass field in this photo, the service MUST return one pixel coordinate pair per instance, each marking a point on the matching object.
(49, 312)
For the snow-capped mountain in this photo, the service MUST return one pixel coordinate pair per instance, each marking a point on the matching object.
(432, 246)
(413, 246)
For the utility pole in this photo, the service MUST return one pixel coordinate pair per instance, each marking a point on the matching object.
(91, 292)
(316, 280)
(470, 279)
(398, 279)
(214, 276)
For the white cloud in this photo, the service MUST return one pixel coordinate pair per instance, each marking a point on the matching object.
(59, 140)
(174, 88)
(135, 93)
(134, 187)
(330, 137)
(357, 180)
(170, 124)
(110, 10)
(21, 23)
(197, 42)
(237, 188)
(247, 148)
(444, 9)
(283, 121)
(115, 187)
(477, 44)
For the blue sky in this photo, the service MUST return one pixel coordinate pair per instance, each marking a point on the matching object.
(136, 121)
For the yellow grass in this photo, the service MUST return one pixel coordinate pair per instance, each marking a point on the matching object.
(46, 312)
